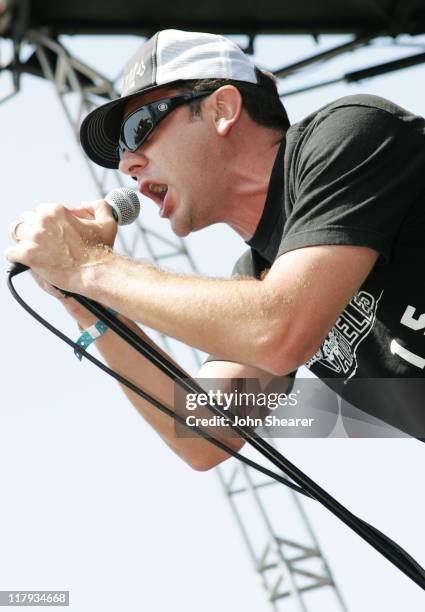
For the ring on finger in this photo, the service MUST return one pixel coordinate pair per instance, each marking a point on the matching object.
(13, 229)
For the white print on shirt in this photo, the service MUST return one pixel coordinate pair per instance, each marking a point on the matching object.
(409, 321)
(339, 350)
(416, 324)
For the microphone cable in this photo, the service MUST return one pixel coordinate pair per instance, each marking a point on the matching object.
(301, 482)
(141, 392)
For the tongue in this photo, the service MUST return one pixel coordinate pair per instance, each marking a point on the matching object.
(162, 207)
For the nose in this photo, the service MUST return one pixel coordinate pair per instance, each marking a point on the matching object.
(133, 163)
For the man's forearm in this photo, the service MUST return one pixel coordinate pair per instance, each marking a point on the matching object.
(230, 318)
(123, 359)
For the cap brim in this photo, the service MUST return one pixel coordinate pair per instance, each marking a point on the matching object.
(99, 131)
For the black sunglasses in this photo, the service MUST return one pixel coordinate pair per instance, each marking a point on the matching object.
(136, 127)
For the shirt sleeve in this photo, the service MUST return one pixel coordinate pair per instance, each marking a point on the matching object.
(353, 180)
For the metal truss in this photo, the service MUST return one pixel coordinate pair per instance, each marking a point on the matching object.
(286, 555)
(288, 566)
(358, 42)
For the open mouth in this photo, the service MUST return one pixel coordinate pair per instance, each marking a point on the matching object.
(154, 191)
(158, 190)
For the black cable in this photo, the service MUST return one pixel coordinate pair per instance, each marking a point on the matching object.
(391, 550)
(127, 383)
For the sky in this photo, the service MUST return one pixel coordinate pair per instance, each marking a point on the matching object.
(91, 499)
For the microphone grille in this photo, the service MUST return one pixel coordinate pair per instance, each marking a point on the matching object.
(125, 203)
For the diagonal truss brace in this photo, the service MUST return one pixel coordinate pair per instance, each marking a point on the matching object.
(287, 567)
(282, 564)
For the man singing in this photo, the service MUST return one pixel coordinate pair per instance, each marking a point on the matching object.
(332, 210)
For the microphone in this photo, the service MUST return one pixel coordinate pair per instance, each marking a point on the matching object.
(125, 208)
(125, 205)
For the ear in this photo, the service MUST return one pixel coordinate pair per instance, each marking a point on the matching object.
(227, 107)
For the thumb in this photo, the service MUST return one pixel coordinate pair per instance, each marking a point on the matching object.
(82, 213)
(97, 210)
(102, 211)
(97, 218)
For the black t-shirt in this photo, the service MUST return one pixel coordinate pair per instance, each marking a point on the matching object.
(353, 173)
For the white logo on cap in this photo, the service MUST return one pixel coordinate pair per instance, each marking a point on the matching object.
(162, 107)
(135, 71)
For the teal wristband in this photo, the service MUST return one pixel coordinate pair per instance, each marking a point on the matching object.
(91, 334)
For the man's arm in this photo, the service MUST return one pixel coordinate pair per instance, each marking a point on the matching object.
(275, 324)
(198, 453)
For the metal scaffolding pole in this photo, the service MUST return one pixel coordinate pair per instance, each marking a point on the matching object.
(288, 567)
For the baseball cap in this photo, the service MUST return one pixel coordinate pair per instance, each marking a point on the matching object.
(169, 56)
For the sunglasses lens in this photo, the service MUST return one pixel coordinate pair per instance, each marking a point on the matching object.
(136, 128)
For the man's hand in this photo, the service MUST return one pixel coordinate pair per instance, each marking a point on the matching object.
(57, 242)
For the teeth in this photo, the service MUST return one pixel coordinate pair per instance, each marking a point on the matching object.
(158, 188)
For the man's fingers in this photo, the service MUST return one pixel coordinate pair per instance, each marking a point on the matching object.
(17, 254)
(83, 210)
(102, 211)
(20, 228)
(13, 230)
(98, 210)
(82, 213)
(96, 215)
(101, 222)
(54, 238)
